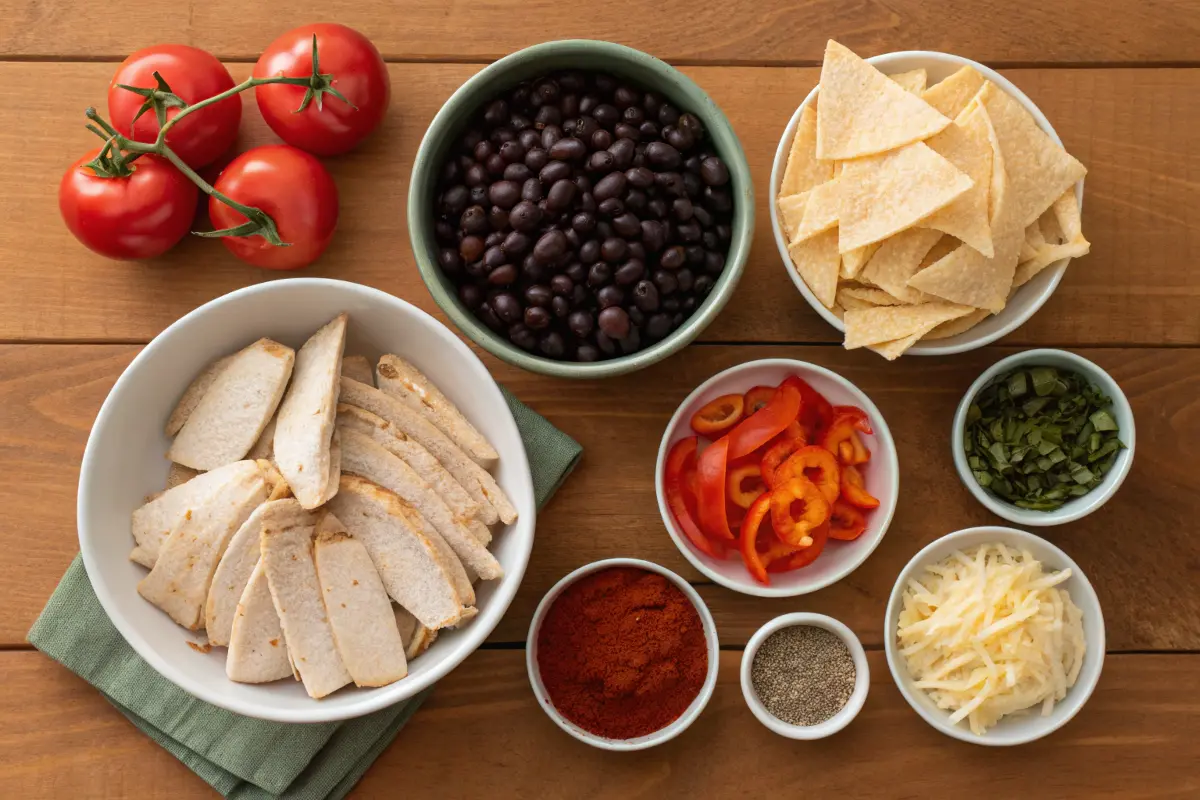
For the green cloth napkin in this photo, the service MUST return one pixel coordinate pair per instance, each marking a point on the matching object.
(240, 757)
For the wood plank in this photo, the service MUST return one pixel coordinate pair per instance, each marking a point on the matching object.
(743, 31)
(1138, 550)
(1133, 128)
(1136, 738)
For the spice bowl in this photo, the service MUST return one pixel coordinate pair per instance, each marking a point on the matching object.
(662, 734)
(1078, 507)
(848, 711)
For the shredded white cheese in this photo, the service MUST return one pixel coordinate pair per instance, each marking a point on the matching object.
(985, 633)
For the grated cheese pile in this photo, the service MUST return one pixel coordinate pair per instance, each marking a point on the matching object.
(986, 634)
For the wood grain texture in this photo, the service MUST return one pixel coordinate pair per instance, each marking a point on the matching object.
(738, 31)
(1136, 738)
(1133, 128)
(1139, 551)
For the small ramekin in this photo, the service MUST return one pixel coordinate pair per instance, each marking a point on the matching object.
(1076, 508)
(661, 735)
(862, 677)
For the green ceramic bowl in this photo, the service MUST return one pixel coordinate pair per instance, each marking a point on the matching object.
(640, 68)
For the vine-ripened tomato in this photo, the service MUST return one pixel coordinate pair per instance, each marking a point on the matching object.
(141, 215)
(359, 74)
(194, 75)
(294, 189)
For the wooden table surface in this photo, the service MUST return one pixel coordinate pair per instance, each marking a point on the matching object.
(1118, 80)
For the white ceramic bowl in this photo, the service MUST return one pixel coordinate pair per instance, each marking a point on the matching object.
(1078, 507)
(1010, 730)
(124, 462)
(881, 476)
(1028, 299)
(862, 677)
(651, 739)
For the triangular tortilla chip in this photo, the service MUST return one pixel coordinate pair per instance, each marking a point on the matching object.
(1048, 223)
(898, 259)
(854, 261)
(956, 326)
(820, 211)
(804, 170)
(817, 261)
(1039, 171)
(895, 348)
(1028, 251)
(966, 144)
(863, 297)
(970, 278)
(884, 323)
(942, 248)
(912, 81)
(950, 96)
(1066, 212)
(1034, 237)
(1047, 256)
(791, 214)
(862, 112)
(885, 194)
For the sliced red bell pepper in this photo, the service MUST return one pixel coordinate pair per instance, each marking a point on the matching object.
(797, 506)
(805, 556)
(680, 463)
(854, 489)
(847, 522)
(817, 465)
(861, 421)
(751, 528)
(843, 441)
(815, 411)
(758, 397)
(718, 416)
(768, 422)
(710, 502)
(744, 484)
(778, 450)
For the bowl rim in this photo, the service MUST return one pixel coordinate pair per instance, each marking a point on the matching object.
(664, 734)
(862, 676)
(420, 239)
(1079, 507)
(372, 699)
(1083, 594)
(882, 432)
(953, 344)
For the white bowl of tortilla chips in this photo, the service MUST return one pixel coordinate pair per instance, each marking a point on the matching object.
(125, 462)
(890, 214)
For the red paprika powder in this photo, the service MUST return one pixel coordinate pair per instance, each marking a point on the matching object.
(622, 652)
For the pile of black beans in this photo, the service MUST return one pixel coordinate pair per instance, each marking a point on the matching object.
(582, 217)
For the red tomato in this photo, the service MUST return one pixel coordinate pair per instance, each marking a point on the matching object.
(328, 127)
(294, 189)
(139, 216)
(194, 75)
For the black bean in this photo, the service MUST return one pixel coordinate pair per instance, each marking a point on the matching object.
(561, 194)
(702, 215)
(503, 275)
(517, 172)
(553, 172)
(626, 96)
(589, 251)
(640, 177)
(471, 296)
(724, 233)
(471, 248)
(631, 343)
(630, 272)
(613, 249)
(714, 172)
(583, 222)
(611, 185)
(538, 295)
(532, 190)
(714, 262)
(704, 285)
(494, 256)
(561, 284)
(522, 337)
(679, 138)
(648, 130)
(691, 123)
(580, 323)
(548, 90)
(635, 200)
(633, 116)
(717, 200)
(547, 115)
(450, 261)
(573, 238)
(520, 123)
(505, 194)
(498, 219)
(512, 152)
(584, 183)
(550, 135)
(671, 304)
(550, 246)
(627, 133)
(524, 217)
(667, 114)
(507, 307)
(536, 158)
(601, 161)
(599, 274)
(483, 151)
(588, 102)
(606, 345)
(637, 250)
(662, 155)
(658, 207)
(686, 278)
(627, 224)
(496, 113)
(560, 306)
(610, 296)
(569, 149)
(645, 296)
(493, 239)
(614, 322)
(671, 183)
(489, 317)
(529, 139)
(694, 255)
(688, 231)
(475, 175)
(569, 106)
(552, 345)
(636, 316)
(577, 272)
(587, 353)
(607, 115)
(658, 326)
(601, 140)
(611, 207)
(515, 244)
(585, 126)
(654, 233)
(454, 200)
(689, 304)
(665, 281)
(692, 185)
(451, 172)
(537, 317)
(681, 209)
(471, 138)
(495, 165)
(672, 258)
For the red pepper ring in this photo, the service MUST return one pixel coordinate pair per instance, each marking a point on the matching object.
(710, 501)
(847, 522)
(861, 421)
(797, 506)
(854, 489)
(817, 465)
(681, 461)
(779, 449)
(744, 484)
(815, 411)
(766, 423)
(718, 416)
(842, 440)
(751, 527)
(758, 397)
(805, 556)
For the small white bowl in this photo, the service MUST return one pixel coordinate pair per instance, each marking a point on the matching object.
(661, 735)
(1075, 508)
(1028, 299)
(881, 475)
(124, 462)
(862, 677)
(1010, 730)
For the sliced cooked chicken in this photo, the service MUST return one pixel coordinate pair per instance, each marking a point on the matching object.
(257, 650)
(415, 636)
(194, 393)
(231, 577)
(358, 368)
